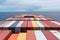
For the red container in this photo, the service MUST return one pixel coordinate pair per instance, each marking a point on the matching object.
(5, 34)
(49, 35)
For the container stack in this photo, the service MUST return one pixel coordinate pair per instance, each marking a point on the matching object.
(29, 27)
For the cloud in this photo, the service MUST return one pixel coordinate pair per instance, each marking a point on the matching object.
(29, 5)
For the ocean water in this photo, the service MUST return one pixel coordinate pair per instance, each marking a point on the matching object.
(53, 15)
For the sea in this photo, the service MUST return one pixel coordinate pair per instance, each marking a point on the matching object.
(53, 15)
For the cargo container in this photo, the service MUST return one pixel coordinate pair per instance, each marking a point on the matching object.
(30, 27)
(37, 35)
(5, 34)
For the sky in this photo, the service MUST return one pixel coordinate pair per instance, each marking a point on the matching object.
(29, 5)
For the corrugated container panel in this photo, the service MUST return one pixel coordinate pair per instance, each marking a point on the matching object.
(12, 19)
(18, 26)
(18, 19)
(44, 23)
(40, 25)
(6, 23)
(35, 18)
(51, 24)
(5, 34)
(49, 35)
(44, 19)
(11, 26)
(23, 19)
(13, 37)
(56, 22)
(38, 19)
(56, 34)
(32, 19)
(15, 26)
(30, 26)
(21, 36)
(24, 26)
(37, 35)
(30, 35)
(35, 24)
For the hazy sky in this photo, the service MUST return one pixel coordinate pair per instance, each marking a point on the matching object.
(29, 5)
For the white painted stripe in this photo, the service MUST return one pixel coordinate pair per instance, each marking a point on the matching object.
(8, 25)
(39, 24)
(38, 18)
(56, 22)
(55, 33)
(43, 18)
(39, 35)
(19, 24)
